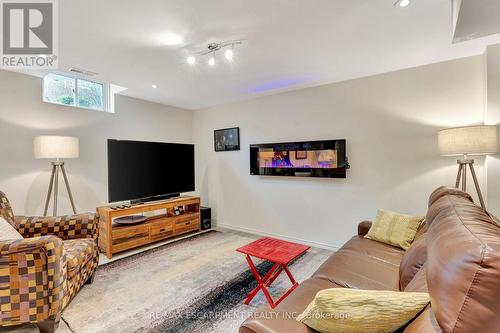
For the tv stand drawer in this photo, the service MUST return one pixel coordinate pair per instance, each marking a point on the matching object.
(161, 230)
(187, 224)
(124, 239)
(129, 231)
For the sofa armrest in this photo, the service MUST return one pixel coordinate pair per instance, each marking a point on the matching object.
(65, 227)
(33, 279)
(364, 227)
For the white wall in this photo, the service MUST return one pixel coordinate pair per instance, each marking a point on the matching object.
(390, 123)
(493, 118)
(23, 115)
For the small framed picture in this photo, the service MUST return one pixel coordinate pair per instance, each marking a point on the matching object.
(178, 210)
(300, 154)
(227, 139)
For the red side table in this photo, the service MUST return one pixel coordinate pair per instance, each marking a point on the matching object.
(277, 251)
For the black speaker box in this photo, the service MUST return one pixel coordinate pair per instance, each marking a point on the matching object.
(206, 218)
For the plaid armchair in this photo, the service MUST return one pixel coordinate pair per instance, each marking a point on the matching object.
(40, 274)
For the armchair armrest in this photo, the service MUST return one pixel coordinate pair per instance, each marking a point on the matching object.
(364, 227)
(65, 227)
(32, 279)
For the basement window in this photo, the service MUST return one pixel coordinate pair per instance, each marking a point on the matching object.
(76, 92)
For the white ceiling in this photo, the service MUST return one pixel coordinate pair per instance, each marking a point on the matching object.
(289, 44)
(476, 19)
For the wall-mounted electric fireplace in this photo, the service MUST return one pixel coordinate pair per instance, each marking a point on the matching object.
(300, 159)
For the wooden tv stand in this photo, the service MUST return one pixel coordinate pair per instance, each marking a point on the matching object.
(114, 238)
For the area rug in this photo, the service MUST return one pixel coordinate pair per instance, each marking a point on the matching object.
(195, 285)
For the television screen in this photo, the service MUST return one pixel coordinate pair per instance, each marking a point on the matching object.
(300, 159)
(139, 169)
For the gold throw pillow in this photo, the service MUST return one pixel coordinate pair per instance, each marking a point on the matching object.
(394, 229)
(340, 310)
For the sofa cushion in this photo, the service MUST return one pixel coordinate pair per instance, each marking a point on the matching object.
(78, 253)
(419, 281)
(412, 261)
(300, 298)
(425, 322)
(282, 318)
(340, 310)
(463, 265)
(7, 231)
(363, 264)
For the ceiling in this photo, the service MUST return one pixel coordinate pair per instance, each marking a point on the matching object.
(289, 44)
(473, 19)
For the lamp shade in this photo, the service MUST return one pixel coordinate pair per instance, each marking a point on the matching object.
(55, 147)
(470, 140)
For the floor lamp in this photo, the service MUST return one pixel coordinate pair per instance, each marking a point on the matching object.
(56, 148)
(468, 141)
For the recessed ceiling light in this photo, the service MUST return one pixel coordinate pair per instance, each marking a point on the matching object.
(402, 3)
(154, 86)
(191, 60)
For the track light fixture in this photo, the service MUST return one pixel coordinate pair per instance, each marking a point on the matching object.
(402, 3)
(211, 51)
(229, 54)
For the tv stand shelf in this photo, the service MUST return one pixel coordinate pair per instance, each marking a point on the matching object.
(114, 238)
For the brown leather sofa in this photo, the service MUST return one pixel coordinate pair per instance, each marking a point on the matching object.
(455, 257)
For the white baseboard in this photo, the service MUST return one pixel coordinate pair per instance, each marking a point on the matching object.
(269, 234)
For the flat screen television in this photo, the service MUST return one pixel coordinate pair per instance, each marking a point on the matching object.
(300, 159)
(146, 171)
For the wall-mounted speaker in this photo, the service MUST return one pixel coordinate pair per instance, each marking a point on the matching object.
(205, 218)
